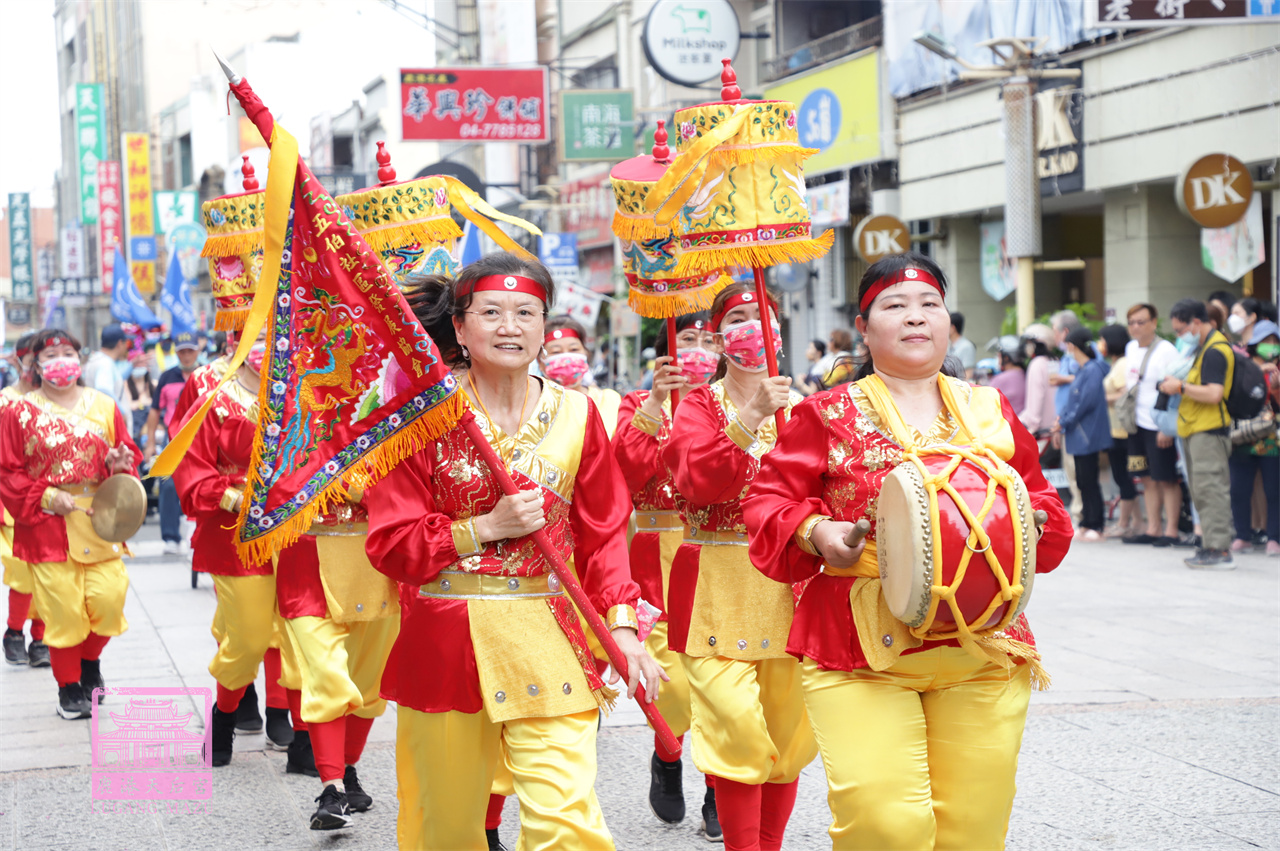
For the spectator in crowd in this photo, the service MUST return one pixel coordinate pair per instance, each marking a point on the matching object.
(102, 369)
(1217, 317)
(819, 366)
(1223, 299)
(1152, 456)
(1037, 412)
(138, 395)
(1112, 341)
(1063, 323)
(1085, 429)
(1011, 380)
(961, 347)
(843, 366)
(1245, 313)
(1204, 426)
(163, 401)
(1261, 458)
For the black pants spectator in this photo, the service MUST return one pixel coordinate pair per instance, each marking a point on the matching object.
(1244, 467)
(1092, 511)
(1119, 457)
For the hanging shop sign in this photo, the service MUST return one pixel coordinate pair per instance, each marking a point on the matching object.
(1118, 14)
(1231, 251)
(474, 104)
(20, 265)
(838, 112)
(91, 146)
(71, 241)
(1214, 191)
(878, 237)
(998, 268)
(174, 206)
(138, 210)
(110, 218)
(684, 40)
(596, 124)
(828, 204)
(1060, 136)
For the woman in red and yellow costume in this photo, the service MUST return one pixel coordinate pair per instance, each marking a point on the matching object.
(490, 662)
(210, 483)
(919, 738)
(57, 443)
(342, 618)
(727, 620)
(17, 573)
(644, 424)
(565, 361)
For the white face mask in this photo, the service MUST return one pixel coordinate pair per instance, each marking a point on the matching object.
(1235, 324)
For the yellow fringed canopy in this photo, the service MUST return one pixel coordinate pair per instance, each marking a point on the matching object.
(234, 249)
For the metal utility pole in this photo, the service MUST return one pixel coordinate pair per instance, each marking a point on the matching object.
(1021, 66)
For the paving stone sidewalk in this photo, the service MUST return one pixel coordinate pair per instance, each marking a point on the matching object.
(1160, 730)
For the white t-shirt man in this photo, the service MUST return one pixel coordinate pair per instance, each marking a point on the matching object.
(1162, 360)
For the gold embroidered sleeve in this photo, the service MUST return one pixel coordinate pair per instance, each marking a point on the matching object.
(740, 434)
(465, 539)
(645, 423)
(805, 531)
(46, 498)
(231, 500)
(622, 616)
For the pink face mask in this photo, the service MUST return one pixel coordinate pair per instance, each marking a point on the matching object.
(698, 365)
(255, 357)
(60, 372)
(566, 369)
(744, 345)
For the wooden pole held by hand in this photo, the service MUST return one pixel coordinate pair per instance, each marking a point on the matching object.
(857, 533)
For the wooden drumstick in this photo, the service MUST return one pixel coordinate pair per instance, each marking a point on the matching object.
(1041, 516)
(860, 530)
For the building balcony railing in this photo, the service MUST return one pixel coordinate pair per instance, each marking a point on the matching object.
(820, 51)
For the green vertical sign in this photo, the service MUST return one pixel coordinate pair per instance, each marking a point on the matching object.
(596, 124)
(91, 146)
(24, 285)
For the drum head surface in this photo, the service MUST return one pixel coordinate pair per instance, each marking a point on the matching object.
(119, 507)
(904, 544)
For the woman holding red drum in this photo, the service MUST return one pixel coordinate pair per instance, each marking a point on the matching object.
(919, 728)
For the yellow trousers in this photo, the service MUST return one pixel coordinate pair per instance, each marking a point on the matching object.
(17, 573)
(341, 665)
(923, 755)
(673, 699)
(445, 765)
(749, 722)
(75, 599)
(242, 624)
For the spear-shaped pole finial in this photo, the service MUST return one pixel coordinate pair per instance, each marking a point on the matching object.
(232, 77)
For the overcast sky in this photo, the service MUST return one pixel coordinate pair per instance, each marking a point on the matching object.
(31, 142)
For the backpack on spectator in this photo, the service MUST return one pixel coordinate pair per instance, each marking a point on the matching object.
(1248, 391)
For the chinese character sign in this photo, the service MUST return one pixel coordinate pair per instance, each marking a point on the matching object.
(596, 125)
(138, 210)
(73, 252)
(91, 146)
(110, 217)
(480, 104)
(20, 265)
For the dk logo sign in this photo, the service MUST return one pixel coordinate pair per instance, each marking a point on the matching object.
(877, 237)
(1215, 190)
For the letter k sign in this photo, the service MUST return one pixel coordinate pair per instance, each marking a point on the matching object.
(1215, 191)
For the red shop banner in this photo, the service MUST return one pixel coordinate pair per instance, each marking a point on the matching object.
(474, 104)
(110, 218)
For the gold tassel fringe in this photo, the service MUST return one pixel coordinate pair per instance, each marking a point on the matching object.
(1014, 649)
(230, 320)
(734, 155)
(637, 228)
(606, 698)
(228, 244)
(667, 305)
(761, 254)
(421, 231)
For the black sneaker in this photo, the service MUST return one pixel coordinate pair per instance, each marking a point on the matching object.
(359, 799)
(15, 647)
(279, 728)
(666, 790)
(333, 813)
(38, 653)
(710, 818)
(302, 760)
(1211, 560)
(224, 736)
(91, 677)
(1259, 539)
(1144, 538)
(247, 718)
(491, 836)
(72, 704)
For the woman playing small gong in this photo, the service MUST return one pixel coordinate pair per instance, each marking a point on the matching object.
(919, 736)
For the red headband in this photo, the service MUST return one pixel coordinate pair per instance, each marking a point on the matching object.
(560, 334)
(744, 297)
(883, 284)
(509, 284)
(21, 353)
(55, 341)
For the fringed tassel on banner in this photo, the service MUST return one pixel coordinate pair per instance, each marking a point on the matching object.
(230, 320)
(422, 231)
(759, 254)
(433, 424)
(228, 244)
(1016, 650)
(667, 305)
(728, 155)
(637, 228)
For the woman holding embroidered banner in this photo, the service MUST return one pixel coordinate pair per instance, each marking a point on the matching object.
(919, 738)
(57, 444)
(491, 662)
(728, 622)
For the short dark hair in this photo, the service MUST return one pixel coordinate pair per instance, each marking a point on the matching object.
(1142, 305)
(1259, 308)
(1116, 337)
(819, 345)
(957, 321)
(112, 336)
(1223, 296)
(1184, 310)
(682, 322)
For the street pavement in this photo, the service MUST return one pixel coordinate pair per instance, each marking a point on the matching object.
(1160, 730)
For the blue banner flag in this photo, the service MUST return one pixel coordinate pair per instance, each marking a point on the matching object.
(176, 298)
(126, 302)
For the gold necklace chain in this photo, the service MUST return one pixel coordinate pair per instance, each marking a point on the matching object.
(476, 392)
